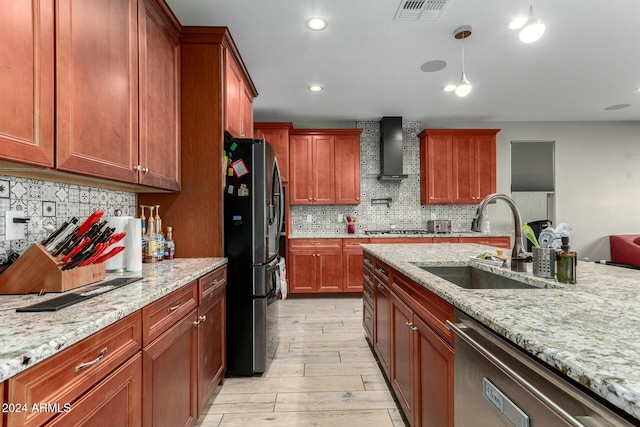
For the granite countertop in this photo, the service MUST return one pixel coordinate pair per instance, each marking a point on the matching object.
(29, 338)
(363, 235)
(589, 331)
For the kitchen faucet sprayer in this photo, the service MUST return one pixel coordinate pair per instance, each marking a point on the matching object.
(519, 258)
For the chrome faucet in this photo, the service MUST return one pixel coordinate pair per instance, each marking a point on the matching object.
(518, 256)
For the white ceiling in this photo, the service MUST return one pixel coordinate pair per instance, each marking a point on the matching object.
(369, 63)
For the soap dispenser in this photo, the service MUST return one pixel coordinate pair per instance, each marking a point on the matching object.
(566, 263)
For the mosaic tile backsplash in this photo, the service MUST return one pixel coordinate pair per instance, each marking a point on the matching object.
(405, 211)
(49, 204)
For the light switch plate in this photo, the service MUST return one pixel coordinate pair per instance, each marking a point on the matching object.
(14, 231)
(340, 218)
(309, 218)
(433, 216)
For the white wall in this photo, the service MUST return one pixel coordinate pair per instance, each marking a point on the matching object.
(597, 177)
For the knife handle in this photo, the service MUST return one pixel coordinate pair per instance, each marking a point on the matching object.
(75, 250)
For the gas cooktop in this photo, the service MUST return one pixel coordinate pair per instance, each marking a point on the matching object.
(396, 232)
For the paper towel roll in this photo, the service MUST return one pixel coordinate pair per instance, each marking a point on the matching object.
(134, 245)
(119, 262)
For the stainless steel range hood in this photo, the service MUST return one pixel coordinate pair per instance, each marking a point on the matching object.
(391, 149)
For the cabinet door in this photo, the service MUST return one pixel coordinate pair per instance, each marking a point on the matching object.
(435, 377)
(233, 91)
(301, 265)
(97, 82)
(436, 157)
(486, 165)
(382, 325)
(169, 396)
(403, 356)
(115, 401)
(465, 174)
(246, 112)
(353, 270)
(27, 81)
(159, 100)
(279, 140)
(329, 270)
(323, 177)
(347, 171)
(211, 346)
(301, 170)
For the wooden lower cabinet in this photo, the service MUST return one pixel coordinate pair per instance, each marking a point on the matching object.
(315, 265)
(169, 374)
(352, 264)
(2, 402)
(416, 355)
(382, 325)
(211, 345)
(115, 401)
(499, 242)
(434, 376)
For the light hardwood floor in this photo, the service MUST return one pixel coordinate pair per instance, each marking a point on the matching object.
(323, 374)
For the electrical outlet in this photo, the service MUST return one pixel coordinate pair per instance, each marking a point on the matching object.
(340, 218)
(309, 218)
(433, 216)
(14, 231)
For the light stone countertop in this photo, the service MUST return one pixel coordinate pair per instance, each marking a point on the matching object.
(589, 331)
(28, 338)
(363, 235)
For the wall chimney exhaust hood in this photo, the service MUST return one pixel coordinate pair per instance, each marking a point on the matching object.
(391, 149)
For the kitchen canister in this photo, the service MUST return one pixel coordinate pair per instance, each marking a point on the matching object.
(544, 262)
(118, 263)
(133, 241)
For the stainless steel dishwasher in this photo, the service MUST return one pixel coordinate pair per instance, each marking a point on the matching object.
(497, 384)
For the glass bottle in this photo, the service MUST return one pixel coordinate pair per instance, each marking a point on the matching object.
(169, 245)
(152, 250)
(566, 263)
(159, 235)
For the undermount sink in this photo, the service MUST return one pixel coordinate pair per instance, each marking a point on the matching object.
(469, 277)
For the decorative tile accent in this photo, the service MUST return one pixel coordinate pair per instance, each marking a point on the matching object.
(49, 204)
(405, 211)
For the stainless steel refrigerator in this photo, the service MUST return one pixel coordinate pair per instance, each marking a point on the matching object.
(253, 215)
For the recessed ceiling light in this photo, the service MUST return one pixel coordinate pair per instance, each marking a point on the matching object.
(316, 88)
(449, 88)
(317, 23)
(617, 107)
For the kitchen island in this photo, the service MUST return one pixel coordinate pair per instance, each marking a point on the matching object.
(588, 331)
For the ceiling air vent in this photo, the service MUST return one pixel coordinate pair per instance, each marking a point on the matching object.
(411, 10)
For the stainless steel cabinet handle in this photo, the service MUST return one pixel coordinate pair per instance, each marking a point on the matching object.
(380, 286)
(82, 366)
(174, 308)
(145, 170)
(382, 270)
(200, 320)
(368, 261)
(456, 328)
(137, 168)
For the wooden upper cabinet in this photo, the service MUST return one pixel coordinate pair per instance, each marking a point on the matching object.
(97, 81)
(436, 169)
(324, 166)
(347, 170)
(159, 142)
(276, 134)
(238, 98)
(457, 165)
(27, 81)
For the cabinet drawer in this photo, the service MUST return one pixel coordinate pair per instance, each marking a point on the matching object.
(381, 270)
(67, 375)
(103, 404)
(500, 242)
(354, 243)
(210, 284)
(367, 293)
(318, 244)
(367, 261)
(427, 305)
(367, 320)
(160, 315)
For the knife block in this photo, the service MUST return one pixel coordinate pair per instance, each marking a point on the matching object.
(37, 270)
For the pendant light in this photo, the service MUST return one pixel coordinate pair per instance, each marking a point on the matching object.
(463, 88)
(533, 29)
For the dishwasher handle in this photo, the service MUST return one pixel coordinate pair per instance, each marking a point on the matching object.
(457, 329)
